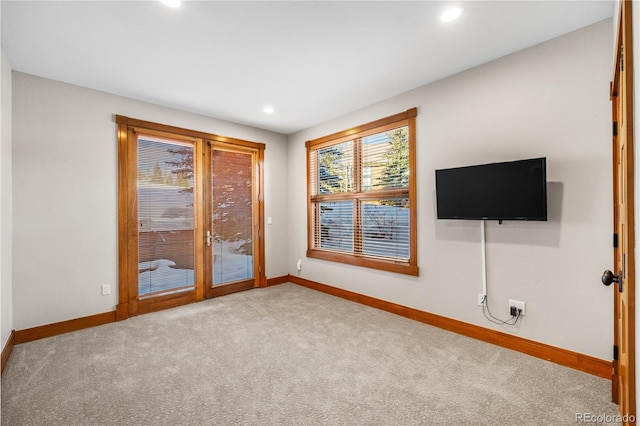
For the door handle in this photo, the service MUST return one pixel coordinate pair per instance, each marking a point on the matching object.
(209, 239)
(608, 278)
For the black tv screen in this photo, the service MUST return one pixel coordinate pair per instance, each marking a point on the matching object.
(514, 190)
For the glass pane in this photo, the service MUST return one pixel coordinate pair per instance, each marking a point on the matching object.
(232, 216)
(336, 226)
(165, 216)
(385, 160)
(335, 168)
(385, 228)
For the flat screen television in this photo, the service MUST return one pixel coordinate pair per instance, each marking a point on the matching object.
(513, 190)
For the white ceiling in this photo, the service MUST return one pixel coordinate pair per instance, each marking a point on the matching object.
(311, 60)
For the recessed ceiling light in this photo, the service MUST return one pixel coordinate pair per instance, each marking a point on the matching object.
(172, 3)
(451, 14)
(269, 109)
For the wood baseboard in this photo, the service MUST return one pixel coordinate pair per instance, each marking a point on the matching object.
(6, 351)
(567, 358)
(277, 280)
(48, 330)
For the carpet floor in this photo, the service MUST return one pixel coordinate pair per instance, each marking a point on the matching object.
(287, 355)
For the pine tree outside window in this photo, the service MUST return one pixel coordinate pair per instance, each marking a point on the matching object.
(361, 195)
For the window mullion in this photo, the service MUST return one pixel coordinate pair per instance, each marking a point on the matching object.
(357, 226)
(357, 188)
(357, 165)
(317, 234)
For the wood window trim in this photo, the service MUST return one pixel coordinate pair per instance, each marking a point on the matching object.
(151, 126)
(381, 125)
(127, 129)
(363, 129)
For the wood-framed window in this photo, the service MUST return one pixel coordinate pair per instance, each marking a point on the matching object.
(361, 201)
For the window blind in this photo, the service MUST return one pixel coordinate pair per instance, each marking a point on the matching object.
(165, 215)
(359, 195)
(232, 215)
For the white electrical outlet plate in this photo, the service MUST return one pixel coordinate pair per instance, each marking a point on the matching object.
(518, 305)
(481, 299)
(106, 289)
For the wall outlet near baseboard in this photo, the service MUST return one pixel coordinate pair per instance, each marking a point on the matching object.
(518, 305)
(482, 299)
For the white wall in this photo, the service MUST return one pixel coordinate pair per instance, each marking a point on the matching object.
(550, 100)
(65, 195)
(6, 297)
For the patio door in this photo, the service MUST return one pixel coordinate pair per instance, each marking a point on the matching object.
(190, 216)
(232, 212)
(167, 193)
